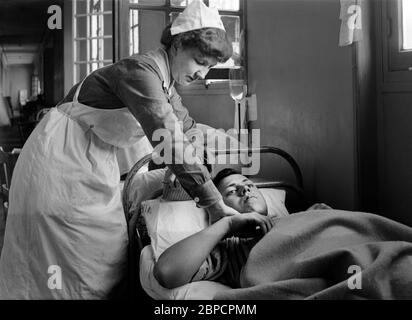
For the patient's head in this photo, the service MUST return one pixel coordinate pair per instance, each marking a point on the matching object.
(239, 192)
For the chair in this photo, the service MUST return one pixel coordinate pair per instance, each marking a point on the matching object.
(14, 118)
(7, 162)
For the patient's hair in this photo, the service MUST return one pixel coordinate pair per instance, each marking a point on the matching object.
(211, 42)
(223, 174)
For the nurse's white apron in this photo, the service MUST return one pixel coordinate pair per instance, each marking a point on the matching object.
(66, 233)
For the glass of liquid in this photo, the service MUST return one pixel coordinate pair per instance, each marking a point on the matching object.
(237, 79)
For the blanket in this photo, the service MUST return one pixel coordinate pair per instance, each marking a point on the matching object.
(329, 254)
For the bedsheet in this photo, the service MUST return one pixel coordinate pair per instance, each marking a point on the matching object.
(329, 254)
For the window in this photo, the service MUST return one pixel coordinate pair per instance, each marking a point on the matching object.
(406, 25)
(400, 35)
(148, 18)
(92, 36)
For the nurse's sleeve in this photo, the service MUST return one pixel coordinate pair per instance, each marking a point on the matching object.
(140, 89)
(181, 112)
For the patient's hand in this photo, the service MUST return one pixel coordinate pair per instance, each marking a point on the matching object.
(247, 225)
(319, 206)
(219, 210)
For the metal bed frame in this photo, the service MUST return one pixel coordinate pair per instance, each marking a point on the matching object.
(137, 242)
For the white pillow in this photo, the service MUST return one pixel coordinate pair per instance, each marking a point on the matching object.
(275, 201)
(168, 222)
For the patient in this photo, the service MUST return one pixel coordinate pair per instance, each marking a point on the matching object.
(219, 251)
(310, 256)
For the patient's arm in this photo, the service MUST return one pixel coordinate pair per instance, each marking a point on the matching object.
(178, 264)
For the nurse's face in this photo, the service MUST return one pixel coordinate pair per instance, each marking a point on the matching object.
(188, 65)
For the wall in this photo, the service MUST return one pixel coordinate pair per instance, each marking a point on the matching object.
(53, 67)
(212, 106)
(19, 78)
(304, 87)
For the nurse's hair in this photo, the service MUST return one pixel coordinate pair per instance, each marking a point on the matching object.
(211, 42)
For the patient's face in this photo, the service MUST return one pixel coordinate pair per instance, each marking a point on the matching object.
(242, 195)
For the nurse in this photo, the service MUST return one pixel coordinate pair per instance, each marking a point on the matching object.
(66, 233)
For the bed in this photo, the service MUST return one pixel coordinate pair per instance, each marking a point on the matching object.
(141, 185)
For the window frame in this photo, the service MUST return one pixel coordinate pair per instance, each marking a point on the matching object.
(88, 38)
(398, 59)
(215, 75)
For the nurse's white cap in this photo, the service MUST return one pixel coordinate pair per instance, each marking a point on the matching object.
(196, 16)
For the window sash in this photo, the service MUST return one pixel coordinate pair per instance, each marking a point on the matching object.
(88, 39)
(124, 42)
(399, 59)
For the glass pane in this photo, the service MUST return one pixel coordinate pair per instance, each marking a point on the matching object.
(107, 24)
(80, 53)
(108, 49)
(225, 4)
(155, 22)
(81, 27)
(95, 49)
(94, 66)
(95, 6)
(149, 2)
(96, 25)
(173, 16)
(180, 3)
(81, 72)
(407, 24)
(134, 32)
(232, 26)
(143, 20)
(81, 6)
(108, 5)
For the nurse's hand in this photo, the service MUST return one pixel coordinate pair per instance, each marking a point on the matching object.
(220, 210)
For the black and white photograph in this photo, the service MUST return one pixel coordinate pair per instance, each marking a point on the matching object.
(222, 151)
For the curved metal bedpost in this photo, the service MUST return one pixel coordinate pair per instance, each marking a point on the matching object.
(137, 166)
(135, 243)
(266, 149)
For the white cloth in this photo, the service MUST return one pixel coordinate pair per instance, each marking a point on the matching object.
(127, 157)
(65, 206)
(197, 16)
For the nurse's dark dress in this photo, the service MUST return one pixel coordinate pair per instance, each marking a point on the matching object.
(65, 200)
